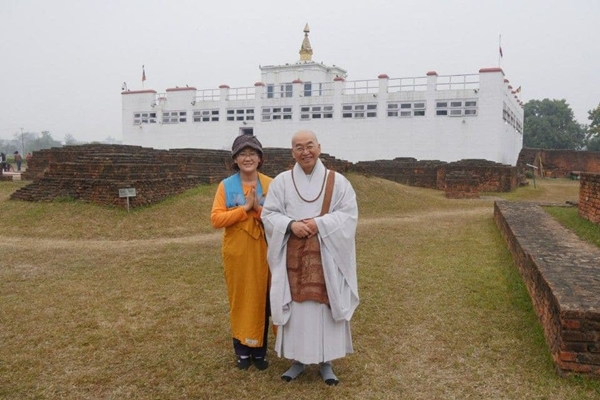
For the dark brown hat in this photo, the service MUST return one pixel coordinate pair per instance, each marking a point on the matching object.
(243, 141)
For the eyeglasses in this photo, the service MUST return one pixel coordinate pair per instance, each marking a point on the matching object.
(244, 154)
(300, 149)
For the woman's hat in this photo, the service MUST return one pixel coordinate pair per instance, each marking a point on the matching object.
(243, 141)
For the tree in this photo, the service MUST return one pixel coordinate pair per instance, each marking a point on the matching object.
(70, 140)
(21, 140)
(550, 124)
(593, 137)
(45, 141)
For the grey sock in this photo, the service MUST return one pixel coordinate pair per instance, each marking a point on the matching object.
(296, 369)
(328, 375)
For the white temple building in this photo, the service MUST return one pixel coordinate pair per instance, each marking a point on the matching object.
(432, 117)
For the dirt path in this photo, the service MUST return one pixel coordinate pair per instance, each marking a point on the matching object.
(12, 242)
(94, 244)
(426, 216)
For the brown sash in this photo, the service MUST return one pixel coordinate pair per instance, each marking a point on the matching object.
(304, 266)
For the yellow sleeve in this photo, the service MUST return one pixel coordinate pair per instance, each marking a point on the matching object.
(257, 213)
(220, 216)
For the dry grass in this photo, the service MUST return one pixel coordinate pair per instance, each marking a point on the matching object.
(545, 190)
(100, 304)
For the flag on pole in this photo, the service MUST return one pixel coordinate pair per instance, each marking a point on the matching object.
(500, 55)
(143, 74)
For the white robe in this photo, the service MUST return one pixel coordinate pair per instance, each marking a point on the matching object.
(311, 332)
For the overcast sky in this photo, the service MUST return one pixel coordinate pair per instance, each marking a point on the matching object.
(64, 61)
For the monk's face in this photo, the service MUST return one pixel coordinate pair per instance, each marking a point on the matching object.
(306, 150)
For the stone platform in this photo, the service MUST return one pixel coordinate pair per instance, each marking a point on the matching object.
(562, 275)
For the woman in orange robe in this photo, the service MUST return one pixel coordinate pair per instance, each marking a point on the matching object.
(237, 207)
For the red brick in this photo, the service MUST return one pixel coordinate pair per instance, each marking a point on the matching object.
(567, 355)
(571, 324)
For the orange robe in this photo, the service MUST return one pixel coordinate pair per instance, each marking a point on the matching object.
(245, 263)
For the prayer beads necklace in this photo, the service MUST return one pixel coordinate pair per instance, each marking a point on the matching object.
(319, 195)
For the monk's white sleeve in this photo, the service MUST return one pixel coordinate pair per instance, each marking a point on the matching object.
(276, 222)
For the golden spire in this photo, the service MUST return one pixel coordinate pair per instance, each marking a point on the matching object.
(306, 51)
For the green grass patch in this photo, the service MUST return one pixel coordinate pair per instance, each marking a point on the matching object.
(570, 218)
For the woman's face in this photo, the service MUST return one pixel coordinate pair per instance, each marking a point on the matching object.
(247, 159)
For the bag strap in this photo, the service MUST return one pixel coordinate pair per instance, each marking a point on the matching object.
(328, 193)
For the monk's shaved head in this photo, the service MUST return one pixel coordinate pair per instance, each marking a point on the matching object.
(303, 136)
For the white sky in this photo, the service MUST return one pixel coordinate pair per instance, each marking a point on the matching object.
(64, 61)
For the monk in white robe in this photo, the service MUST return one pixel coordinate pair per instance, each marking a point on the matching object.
(311, 332)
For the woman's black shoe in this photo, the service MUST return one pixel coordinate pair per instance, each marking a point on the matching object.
(260, 363)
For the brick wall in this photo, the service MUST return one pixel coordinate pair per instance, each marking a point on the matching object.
(95, 173)
(65, 171)
(589, 197)
(462, 185)
(492, 176)
(407, 171)
(558, 163)
(561, 273)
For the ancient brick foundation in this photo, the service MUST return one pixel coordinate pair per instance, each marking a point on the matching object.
(492, 177)
(561, 273)
(96, 172)
(589, 197)
(462, 185)
(558, 163)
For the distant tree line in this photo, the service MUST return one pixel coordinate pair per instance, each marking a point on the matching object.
(28, 142)
(550, 124)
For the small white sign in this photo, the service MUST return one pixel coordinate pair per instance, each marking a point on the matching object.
(128, 192)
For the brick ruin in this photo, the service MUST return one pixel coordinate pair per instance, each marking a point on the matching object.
(462, 185)
(589, 197)
(95, 172)
(558, 163)
(483, 175)
(561, 273)
(407, 171)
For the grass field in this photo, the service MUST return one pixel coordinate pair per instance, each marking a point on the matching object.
(98, 303)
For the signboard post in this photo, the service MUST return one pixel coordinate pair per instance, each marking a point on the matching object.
(127, 192)
(533, 168)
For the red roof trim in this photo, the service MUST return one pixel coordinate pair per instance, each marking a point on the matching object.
(494, 69)
(223, 86)
(180, 89)
(431, 73)
(383, 76)
(259, 84)
(139, 91)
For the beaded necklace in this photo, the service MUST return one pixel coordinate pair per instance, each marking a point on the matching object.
(319, 195)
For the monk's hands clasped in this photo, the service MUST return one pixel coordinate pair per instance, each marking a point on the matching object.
(305, 228)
